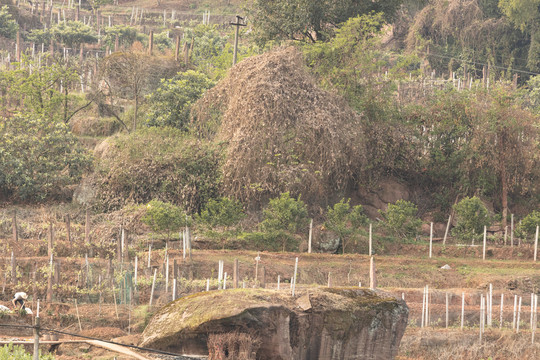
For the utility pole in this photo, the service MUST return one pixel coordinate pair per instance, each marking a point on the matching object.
(237, 24)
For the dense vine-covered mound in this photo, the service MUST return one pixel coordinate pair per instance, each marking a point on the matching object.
(156, 163)
(283, 132)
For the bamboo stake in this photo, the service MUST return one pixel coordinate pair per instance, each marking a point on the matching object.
(532, 310)
(447, 228)
(447, 310)
(427, 306)
(78, 317)
(535, 320)
(135, 268)
(430, 240)
(115, 304)
(153, 287)
(294, 277)
(512, 230)
(462, 309)
(310, 235)
(423, 307)
(484, 248)
(14, 226)
(502, 307)
(515, 313)
(167, 275)
(372, 274)
(518, 315)
(536, 243)
(482, 317)
(278, 281)
(490, 307)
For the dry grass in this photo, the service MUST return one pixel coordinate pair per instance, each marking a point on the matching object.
(446, 345)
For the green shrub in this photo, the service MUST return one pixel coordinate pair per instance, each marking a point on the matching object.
(471, 216)
(127, 35)
(158, 164)
(344, 220)
(8, 25)
(528, 225)
(218, 220)
(170, 104)
(223, 212)
(400, 218)
(39, 157)
(283, 218)
(10, 352)
(164, 217)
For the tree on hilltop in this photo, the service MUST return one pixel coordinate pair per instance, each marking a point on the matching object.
(309, 20)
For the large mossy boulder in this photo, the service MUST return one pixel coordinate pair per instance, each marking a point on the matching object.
(319, 323)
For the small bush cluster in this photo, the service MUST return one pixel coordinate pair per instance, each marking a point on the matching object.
(9, 352)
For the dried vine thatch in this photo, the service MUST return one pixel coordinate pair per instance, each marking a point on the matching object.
(283, 132)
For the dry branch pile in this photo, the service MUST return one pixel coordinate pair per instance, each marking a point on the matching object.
(283, 132)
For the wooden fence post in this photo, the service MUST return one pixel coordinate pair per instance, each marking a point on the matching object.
(430, 239)
(235, 274)
(370, 240)
(484, 247)
(34, 283)
(536, 243)
(177, 48)
(119, 249)
(19, 42)
(447, 228)
(153, 287)
(310, 235)
(518, 315)
(372, 274)
(294, 276)
(13, 268)
(57, 272)
(502, 307)
(50, 238)
(446, 311)
(68, 227)
(14, 226)
(151, 42)
(50, 281)
(87, 227)
(462, 309)
(512, 230)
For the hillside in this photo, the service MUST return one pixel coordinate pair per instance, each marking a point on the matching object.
(134, 153)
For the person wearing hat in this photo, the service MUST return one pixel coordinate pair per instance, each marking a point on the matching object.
(19, 298)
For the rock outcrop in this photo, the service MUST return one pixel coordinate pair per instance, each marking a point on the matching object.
(321, 323)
